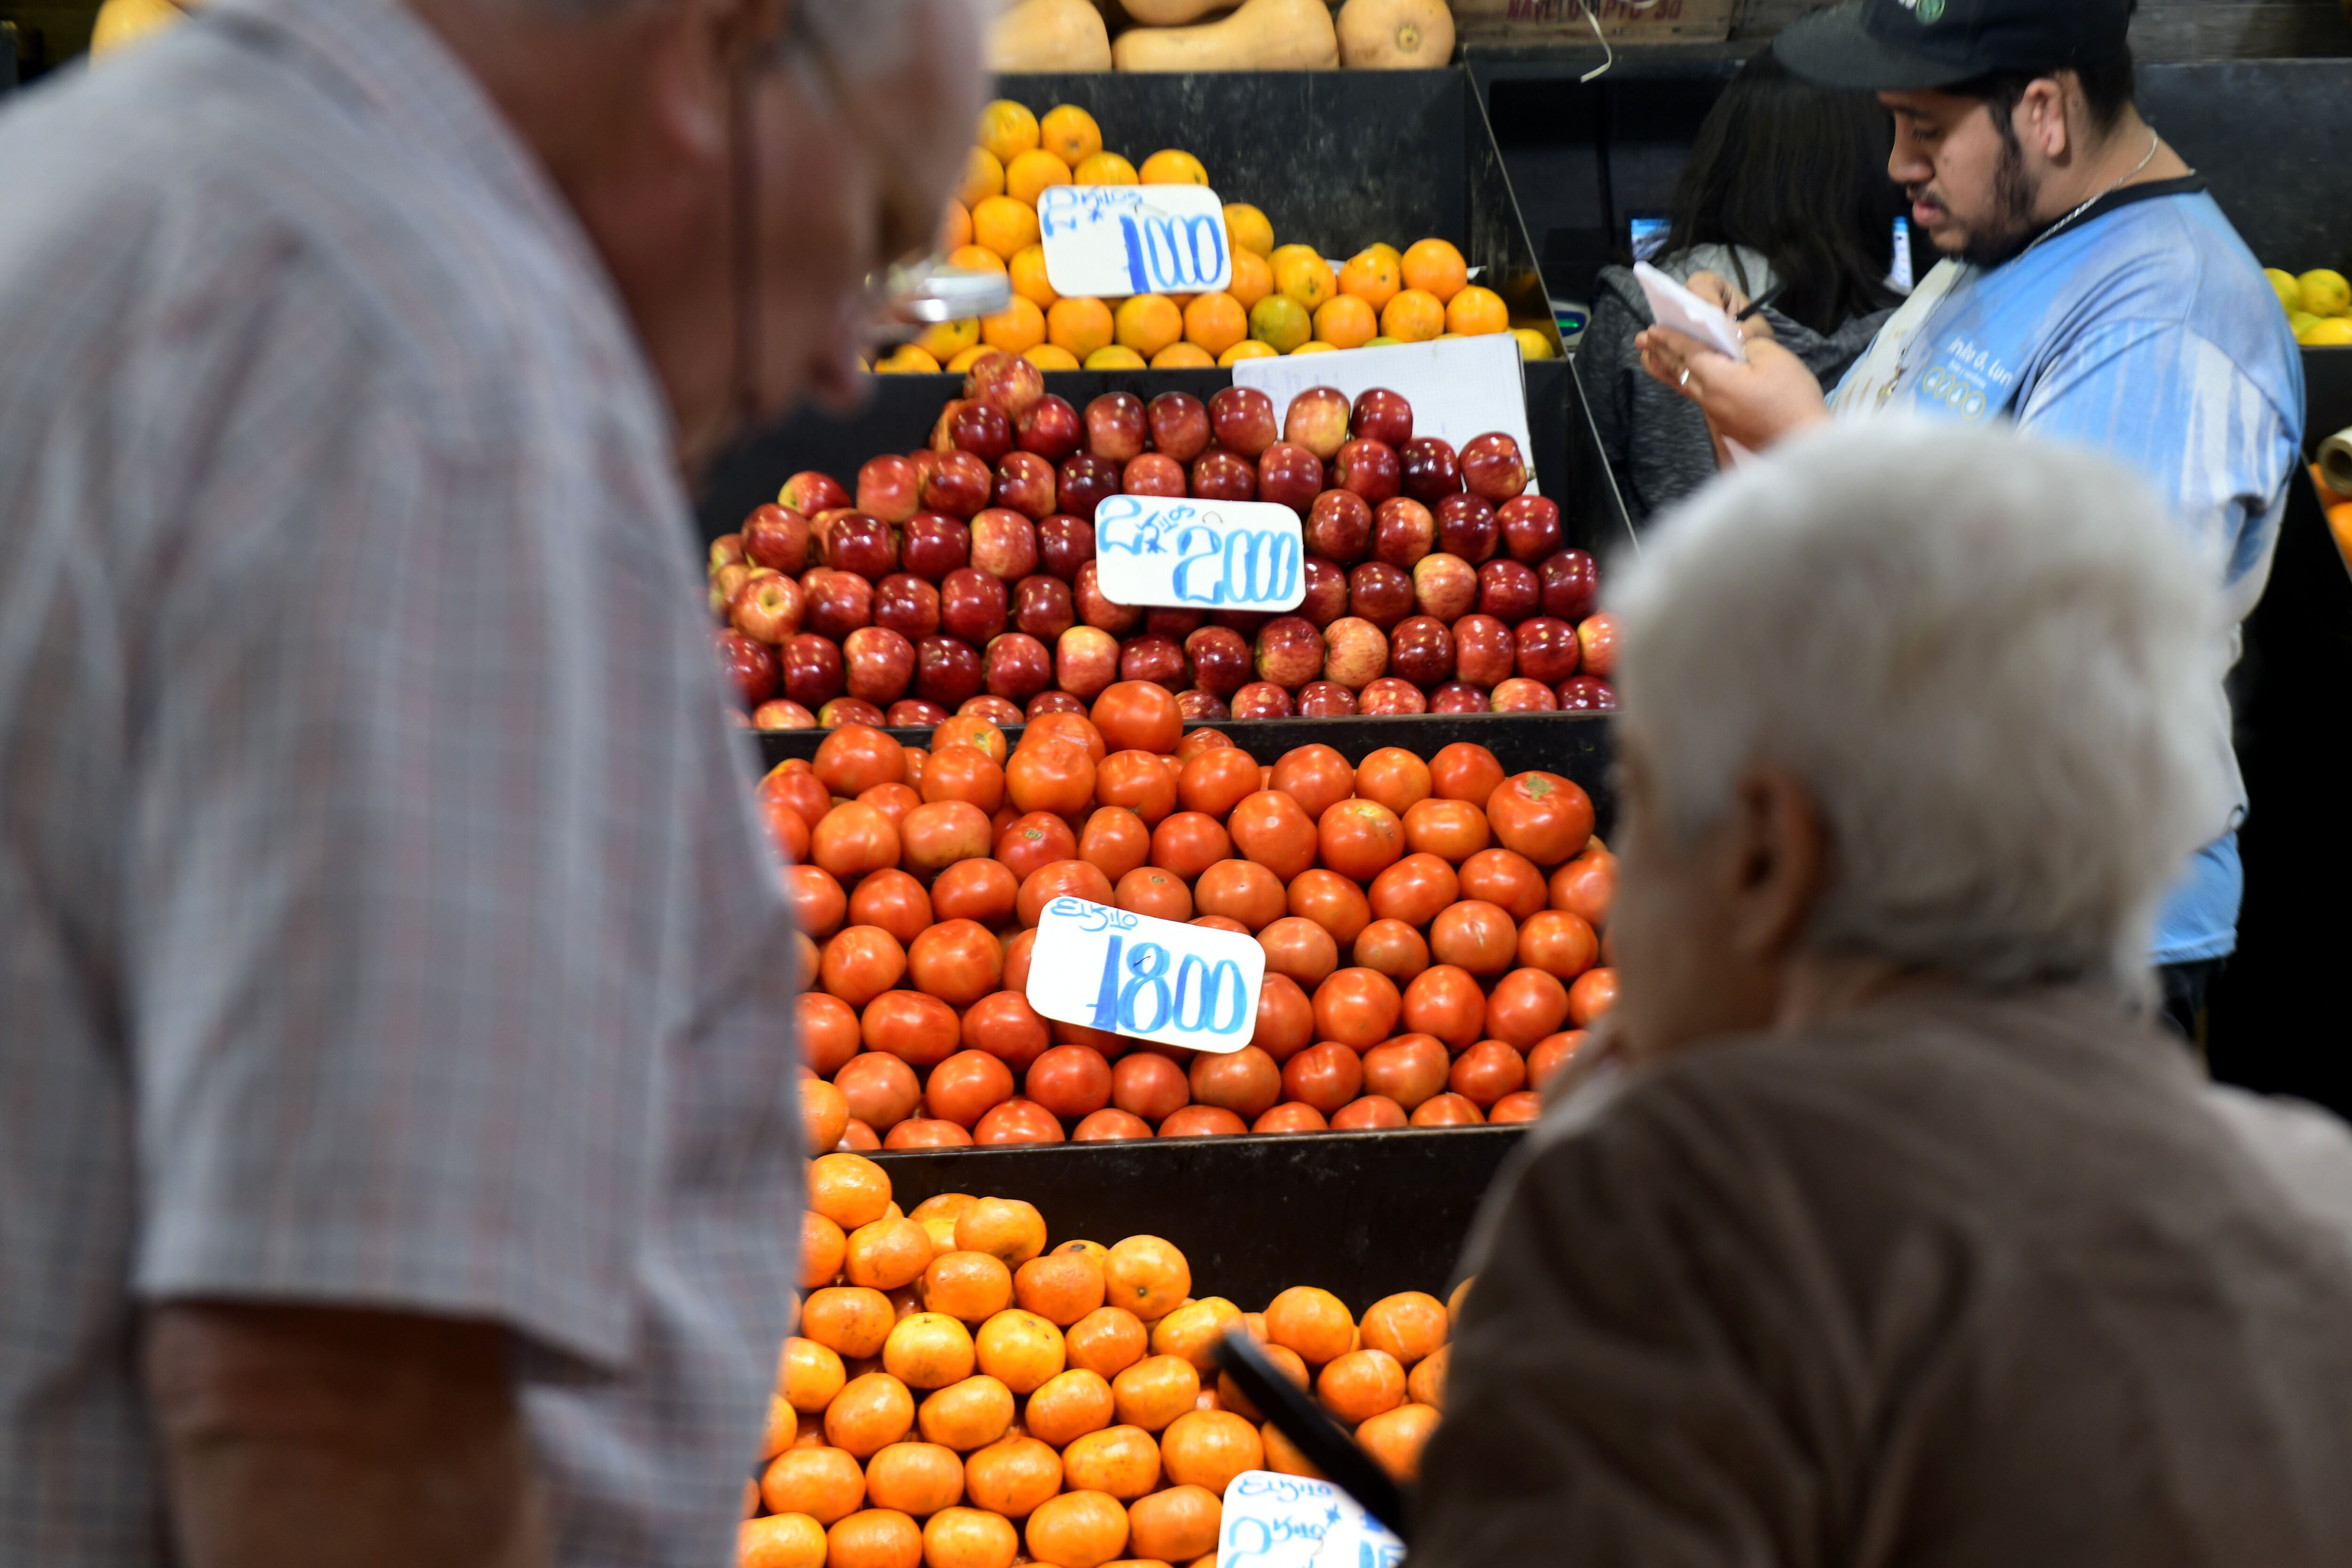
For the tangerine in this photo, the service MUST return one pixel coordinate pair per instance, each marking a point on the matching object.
(1193, 1330)
(1312, 1322)
(1345, 322)
(969, 1538)
(1175, 1525)
(874, 1538)
(1425, 1384)
(780, 1541)
(1248, 228)
(1360, 1384)
(1155, 1391)
(1070, 133)
(825, 1484)
(1147, 1276)
(1006, 130)
(1252, 280)
(1473, 313)
(1068, 1405)
(1078, 1529)
(1435, 265)
(917, 1479)
(968, 1415)
(1005, 1228)
(1020, 1350)
(1028, 175)
(1410, 1325)
(1413, 316)
(1107, 1341)
(1013, 1475)
(822, 1246)
(1394, 1438)
(1004, 226)
(812, 1375)
(928, 1350)
(1209, 1449)
(1171, 166)
(869, 1415)
(1372, 275)
(1121, 1461)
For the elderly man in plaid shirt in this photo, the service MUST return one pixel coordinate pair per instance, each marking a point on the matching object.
(397, 1159)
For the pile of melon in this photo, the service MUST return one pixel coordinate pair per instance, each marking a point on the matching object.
(1192, 36)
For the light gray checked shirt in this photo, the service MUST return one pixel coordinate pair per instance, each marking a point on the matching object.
(382, 919)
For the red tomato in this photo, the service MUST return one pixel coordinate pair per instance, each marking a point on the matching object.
(1138, 781)
(1594, 992)
(1447, 1110)
(1214, 782)
(803, 960)
(1542, 815)
(1553, 1053)
(1360, 839)
(1189, 843)
(1452, 830)
(794, 784)
(854, 838)
(813, 895)
(1017, 1121)
(1213, 922)
(981, 890)
(1271, 828)
(1039, 838)
(855, 758)
(1525, 1006)
(1464, 771)
(1110, 1125)
(1488, 1071)
(828, 1031)
(1357, 1007)
(926, 1133)
(1195, 741)
(1114, 842)
(958, 961)
(1063, 879)
(787, 830)
(1394, 777)
(1241, 891)
(1203, 1121)
(1317, 777)
(1325, 1076)
(880, 1088)
(895, 901)
(862, 962)
(856, 1137)
(966, 1085)
(1147, 1085)
(1585, 888)
(1331, 901)
(1407, 1069)
(1016, 959)
(1559, 943)
(921, 1031)
(1285, 1018)
(1069, 1081)
(1365, 1114)
(1245, 1082)
(1139, 715)
(1076, 728)
(965, 773)
(894, 801)
(1008, 1028)
(1148, 890)
(1476, 935)
(1051, 775)
(1446, 1001)
(1299, 948)
(1394, 948)
(1415, 890)
(1522, 1105)
(970, 730)
(1291, 1117)
(1504, 878)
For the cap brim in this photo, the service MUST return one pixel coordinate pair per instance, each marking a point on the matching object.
(1835, 50)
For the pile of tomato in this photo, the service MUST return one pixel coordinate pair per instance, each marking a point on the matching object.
(1432, 929)
(958, 1395)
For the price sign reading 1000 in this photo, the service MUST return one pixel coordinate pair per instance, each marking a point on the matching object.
(1110, 240)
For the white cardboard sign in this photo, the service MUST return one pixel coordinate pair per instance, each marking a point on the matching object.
(1111, 241)
(1273, 1521)
(1459, 387)
(1171, 552)
(1144, 977)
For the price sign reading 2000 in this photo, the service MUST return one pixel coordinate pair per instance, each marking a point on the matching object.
(1146, 978)
(1166, 550)
(1106, 241)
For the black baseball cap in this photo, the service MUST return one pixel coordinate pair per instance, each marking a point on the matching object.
(1889, 46)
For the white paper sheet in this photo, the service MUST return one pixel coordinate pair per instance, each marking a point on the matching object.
(1459, 388)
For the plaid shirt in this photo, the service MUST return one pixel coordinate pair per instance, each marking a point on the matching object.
(383, 918)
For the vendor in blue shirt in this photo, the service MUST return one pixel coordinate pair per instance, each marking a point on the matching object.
(2090, 292)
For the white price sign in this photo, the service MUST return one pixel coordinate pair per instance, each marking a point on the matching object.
(1144, 977)
(1272, 1521)
(1173, 552)
(1459, 387)
(1109, 241)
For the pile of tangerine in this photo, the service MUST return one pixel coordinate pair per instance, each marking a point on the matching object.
(957, 1393)
(1431, 929)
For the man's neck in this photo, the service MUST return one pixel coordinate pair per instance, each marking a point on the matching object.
(1819, 987)
(2119, 160)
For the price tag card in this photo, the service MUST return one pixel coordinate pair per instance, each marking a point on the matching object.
(1144, 977)
(1173, 552)
(1111, 241)
(1273, 1521)
(1459, 388)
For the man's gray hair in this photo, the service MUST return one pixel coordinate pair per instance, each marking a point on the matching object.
(1993, 662)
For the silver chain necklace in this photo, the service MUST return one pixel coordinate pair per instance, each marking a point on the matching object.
(2154, 141)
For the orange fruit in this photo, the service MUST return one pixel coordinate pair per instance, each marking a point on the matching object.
(1093, 1249)
(875, 1537)
(1007, 1229)
(850, 1321)
(1175, 1525)
(1148, 323)
(1106, 1341)
(1358, 1385)
(1119, 356)
(942, 340)
(1049, 356)
(1080, 326)
(869, 1415)
(971, 1286)
(1192, 1330)
(1372, 276)
(1019, 1349)
(1215, 322)
(955, 229)
(1434, 267)
(1476, 313)
(1007, 130)
(928, 1350)
(812, 1375)
(1069, 133)
(1425, 1384)
(1253, 278)
(1182, 356)
(1068, 1407)
(1104, 169)
(1248, 348)
(920, 1478)
(1146, 1276)
(1003, 226)
(823, 1116)
(1533, 344)
(966, 1416)
(823, 1483)
(1394, 1438)
(1030, 174)
(1012, 1477)
(1248, 228)
(1304, 275)
(887, 1254)
(904, 360)
(1029, 280)
(1311, 1321)
(1346, 321)
(1282, 1456)
(1018, 327)
(1078, 1529)
(1061, 1287)
(942, 1204)
(1155, 1391)
(1409, 1325)
(1454, 1302)
(1229, 1393)
(1121, 1461)
(1172, 167)
(983, 176)
(848, 1189)
(1209, 1449)
(976, 258)
(1316, 346)
(782, 1425)
(780, 1541)
(1414, 316)
(822, 1246)
(969, 1538)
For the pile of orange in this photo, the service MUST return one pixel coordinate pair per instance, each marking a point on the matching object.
(1283, 299)
(1432, 929)
(963, 1394)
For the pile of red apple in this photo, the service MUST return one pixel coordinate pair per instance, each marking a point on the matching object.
(960, 579)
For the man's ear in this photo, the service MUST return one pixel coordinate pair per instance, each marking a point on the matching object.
(1778, 865)
(694, 51)
(2040, 118)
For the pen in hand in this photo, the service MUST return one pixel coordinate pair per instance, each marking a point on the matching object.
(1762, 300)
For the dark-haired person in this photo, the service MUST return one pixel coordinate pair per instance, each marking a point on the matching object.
(2092, 293)
(1782, 190)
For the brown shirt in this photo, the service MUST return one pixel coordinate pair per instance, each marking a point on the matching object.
(1957, 1280)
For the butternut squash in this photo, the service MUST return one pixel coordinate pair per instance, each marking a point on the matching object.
(1170, 13)
(1049, 36)
(1395, 34)
(1262, 35)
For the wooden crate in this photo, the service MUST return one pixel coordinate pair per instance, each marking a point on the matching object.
(1534, 23)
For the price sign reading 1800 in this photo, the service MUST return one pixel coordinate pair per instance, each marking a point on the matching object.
(1146, 978)
(1167, 552)
(1108, 241)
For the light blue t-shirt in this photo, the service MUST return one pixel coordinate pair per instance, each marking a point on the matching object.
(2146, 329)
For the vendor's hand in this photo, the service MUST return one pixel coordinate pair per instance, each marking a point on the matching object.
(1721, 292)
(1755, 401)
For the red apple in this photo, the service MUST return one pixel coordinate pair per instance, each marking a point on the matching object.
(725, 584)
(1026, 483)
(1325, 700)
(1327, 592)
(1571, 583)
(1007, 381)
(1531, 526)
(767, 608)
(1432, 472)
(1339, 527)
(1444, 587)
(1381, 414)
(1085, 481)
(1355, 652)
(1318, 420)
(1289, 652)
(971, 604)
(1065, 543)
(1587, 694)
(1421, 650)
(889, 488)
(947, 671)
(1016, 667)
(749, 667)
(1521, 695)
(914, 713)
(1243, 419)
(1221, 474)
(1493, 468)
(1180, 425)
(1547, 650)
(1098, 610)
(1466, 526)
(727, 549)
(1380, 593)
(1388, 695)
(1116, 426)
(1368, 468)
(1246, 622)
(1046, 702)
(1220, 656)
(1086, 661)
(843, 711)
(1051, 428)
(863, 544)
(1152, 474)
(1403, 531)
(980, 428)
(835, 603)
(1173, 625)
(809, 492)
(907, 606)
(995, 709)
(1004, 544)
(1043, 607)
(1458, 697)
(1156, 659)
(1508, 590)
(959, 486)
(812, 665)
(1289, 476)
(878, 662)
(935, 544)
(1484, 654)
(1262, 699)
(776, 536)
(1197, 707)
(782, 713)
(821, 527)
(1596, 637)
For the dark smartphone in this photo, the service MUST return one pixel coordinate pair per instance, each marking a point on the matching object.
(1327, 1444)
